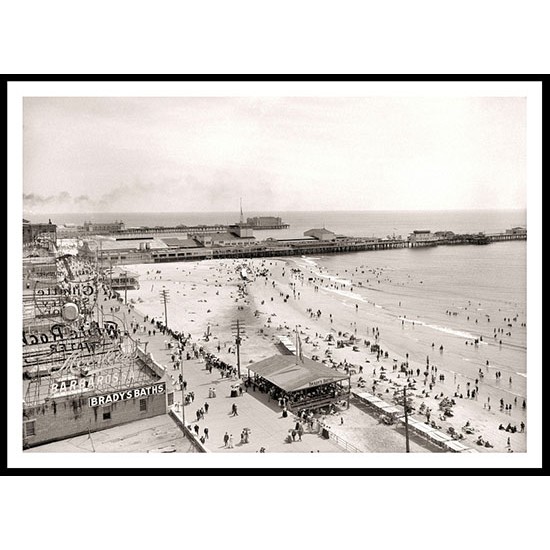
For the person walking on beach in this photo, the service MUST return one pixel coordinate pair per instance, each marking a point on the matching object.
(205, 433)
(230, 441)
(225, 439)
(234, 410)
(206, 405)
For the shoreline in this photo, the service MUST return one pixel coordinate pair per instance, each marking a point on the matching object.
(207, 292)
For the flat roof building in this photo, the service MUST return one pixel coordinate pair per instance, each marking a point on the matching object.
(320, 234)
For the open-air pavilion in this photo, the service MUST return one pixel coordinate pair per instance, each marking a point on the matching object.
(305, 383)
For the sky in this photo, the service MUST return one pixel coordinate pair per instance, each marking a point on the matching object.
(185, 154)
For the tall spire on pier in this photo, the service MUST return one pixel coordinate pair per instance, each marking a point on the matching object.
(242, 217)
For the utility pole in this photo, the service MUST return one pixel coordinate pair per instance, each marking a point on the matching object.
(238, 342)
(406, 420)
(236, 328)
(297, 346)
(165, 298)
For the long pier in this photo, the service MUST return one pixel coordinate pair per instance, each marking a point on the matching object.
(137, 231)
(264, 250)
(478, 239)
(499, 237)
(269, 249)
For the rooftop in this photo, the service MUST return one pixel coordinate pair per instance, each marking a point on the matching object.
(158, 434)
(179, 243)
(290, 373)
(216, 237)
(112, 244)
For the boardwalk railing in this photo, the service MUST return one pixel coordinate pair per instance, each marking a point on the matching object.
(188, 433)
(346, 445)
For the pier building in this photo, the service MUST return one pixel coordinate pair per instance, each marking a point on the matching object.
(267, 222)
(422, 237)
(520, 231)
(321, 234)
(103, 228)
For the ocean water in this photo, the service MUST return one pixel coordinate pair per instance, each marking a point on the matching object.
(446, 295)
(451, 293)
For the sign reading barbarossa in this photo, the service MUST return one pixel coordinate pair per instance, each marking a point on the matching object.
(155, 389)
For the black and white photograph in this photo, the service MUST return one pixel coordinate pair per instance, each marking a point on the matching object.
(276, 274)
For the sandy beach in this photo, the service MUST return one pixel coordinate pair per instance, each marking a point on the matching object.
(207, 297)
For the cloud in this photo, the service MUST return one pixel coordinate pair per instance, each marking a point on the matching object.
(33, 200)
(82, 199)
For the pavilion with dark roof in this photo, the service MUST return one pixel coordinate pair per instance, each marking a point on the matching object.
(307, 384)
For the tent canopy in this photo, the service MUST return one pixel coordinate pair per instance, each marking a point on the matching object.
(291, 374)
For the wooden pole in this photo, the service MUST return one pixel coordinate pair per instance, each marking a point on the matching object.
(349, 387)
(164, 297)
(238, 342)
(406, 420)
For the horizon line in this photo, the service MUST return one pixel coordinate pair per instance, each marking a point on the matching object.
(277, 211)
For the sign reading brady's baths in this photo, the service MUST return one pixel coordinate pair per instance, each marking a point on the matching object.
(155, 389)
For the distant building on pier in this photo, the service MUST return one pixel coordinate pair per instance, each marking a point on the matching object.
(224, 239)
(106, 228)
(242, 230)
(423, 237)
(517, 231)
(266, 222)
(321, 234)
(444, 235)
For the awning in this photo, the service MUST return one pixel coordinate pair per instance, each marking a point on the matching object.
(440, 437)
(456, 446)
(291, 374)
